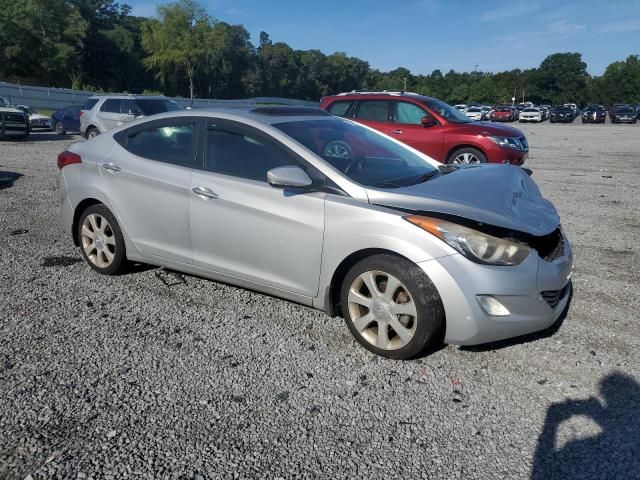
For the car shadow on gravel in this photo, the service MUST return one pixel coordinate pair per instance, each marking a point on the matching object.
(531, 337)
(49, 136)
(8, 178)
(614, 452)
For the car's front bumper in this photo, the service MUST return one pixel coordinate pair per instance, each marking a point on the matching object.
(521, 289)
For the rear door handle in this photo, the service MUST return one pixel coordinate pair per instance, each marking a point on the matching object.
(397, 132)
(205, 193)
(111, 166)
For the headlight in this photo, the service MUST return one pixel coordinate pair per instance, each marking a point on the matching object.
(509, 142)
(476, 246)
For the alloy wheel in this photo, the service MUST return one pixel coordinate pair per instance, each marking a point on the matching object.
(382, 310)
(337, 149)
(466, 158)
(98, 240)
(59, 128)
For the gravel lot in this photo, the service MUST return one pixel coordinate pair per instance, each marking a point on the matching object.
(159, 375)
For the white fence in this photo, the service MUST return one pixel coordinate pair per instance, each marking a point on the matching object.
(54, 98)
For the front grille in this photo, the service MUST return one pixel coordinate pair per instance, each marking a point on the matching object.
(14, 117)
(553, 297)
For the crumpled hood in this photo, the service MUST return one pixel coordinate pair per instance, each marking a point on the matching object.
(499, 195)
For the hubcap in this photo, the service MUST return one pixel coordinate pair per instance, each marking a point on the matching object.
(59, 128)
(98, 240)
(466, 158)
(382, 310)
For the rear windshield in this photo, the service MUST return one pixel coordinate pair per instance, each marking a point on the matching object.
(624, 110)
(151, 107)
(89, 104)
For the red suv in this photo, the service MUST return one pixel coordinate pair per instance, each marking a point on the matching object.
(431, 126)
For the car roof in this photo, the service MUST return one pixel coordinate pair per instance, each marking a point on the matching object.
(268, 115)
(128, 96)
(379, 95)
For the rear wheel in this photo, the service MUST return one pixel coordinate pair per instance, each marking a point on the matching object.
(59, 128)
(92, 132)
(391, 307)
(101, 240)
(467, 155)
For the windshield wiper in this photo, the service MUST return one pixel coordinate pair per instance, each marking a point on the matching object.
(427, 176)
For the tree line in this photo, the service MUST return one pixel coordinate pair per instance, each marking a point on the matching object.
(99, 45)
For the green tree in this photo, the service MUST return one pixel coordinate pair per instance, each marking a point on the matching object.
(562, 77)
(177, 40)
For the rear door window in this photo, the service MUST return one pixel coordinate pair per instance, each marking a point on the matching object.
(172, 141)
(112, 105)
(373, 111)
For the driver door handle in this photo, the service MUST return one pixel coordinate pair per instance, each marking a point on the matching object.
(397, 132)
(205, 193)
(111, 166)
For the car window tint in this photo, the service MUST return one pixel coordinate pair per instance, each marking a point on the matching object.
(112, 105)
(170, 142)
(242, 154)
(409, 113)
(88, 105)
(127, 106)
(374, 111)
(339, 109)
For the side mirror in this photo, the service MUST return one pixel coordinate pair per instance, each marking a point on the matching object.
(288, 176)
(428, 121)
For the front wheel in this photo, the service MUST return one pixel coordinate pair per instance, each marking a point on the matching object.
(59, 128)
(101, 240)
(391, 307)
(467, 155)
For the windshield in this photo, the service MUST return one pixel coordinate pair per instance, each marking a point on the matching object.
(447, 112)
(531, 110)
(473, 110)
(151, 107)
(624, 110)
(367, 157)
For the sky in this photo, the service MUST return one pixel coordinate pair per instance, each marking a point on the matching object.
(424, 35)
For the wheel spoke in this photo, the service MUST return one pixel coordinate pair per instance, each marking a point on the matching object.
(111, 240)
(408, 308)
(86, 232)
(403, 332)
(89, 248)
(392, 287)
(109, 256)
(92, 221)
(357, 297)
(363, 322)
(369, 279)
(383, 337)
(103, 224)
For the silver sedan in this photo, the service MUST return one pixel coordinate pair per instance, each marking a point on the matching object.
(322, 211)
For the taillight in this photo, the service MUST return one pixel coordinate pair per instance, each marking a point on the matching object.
(68, 158)
(81, 113)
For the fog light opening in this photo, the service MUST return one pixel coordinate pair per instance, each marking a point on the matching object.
(492, 306)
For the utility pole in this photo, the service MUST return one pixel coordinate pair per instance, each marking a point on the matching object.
(405, 84)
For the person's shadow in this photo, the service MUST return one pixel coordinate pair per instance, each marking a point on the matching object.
(614, 453)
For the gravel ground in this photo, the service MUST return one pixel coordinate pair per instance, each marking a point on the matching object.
(159, 375)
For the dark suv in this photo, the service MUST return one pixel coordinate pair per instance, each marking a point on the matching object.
(431, 126)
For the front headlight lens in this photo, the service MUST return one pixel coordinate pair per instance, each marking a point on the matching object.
(477, 246)
(509, 142)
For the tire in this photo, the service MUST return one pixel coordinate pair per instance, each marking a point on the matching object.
(472, 155)
(101, 240)
(92, 132)
(59, 128)
(406, 335)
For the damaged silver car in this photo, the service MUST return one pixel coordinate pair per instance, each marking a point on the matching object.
(319, 210)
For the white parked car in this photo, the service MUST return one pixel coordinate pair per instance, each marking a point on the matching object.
(532, 114)
(474, 113)
(461, 106)
(36, 119)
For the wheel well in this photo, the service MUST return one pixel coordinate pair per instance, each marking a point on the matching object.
(82, 206)
(86, 132)
(332, 302)
(458, 147)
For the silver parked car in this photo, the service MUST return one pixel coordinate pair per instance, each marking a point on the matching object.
(105, 112)
(322, 211)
